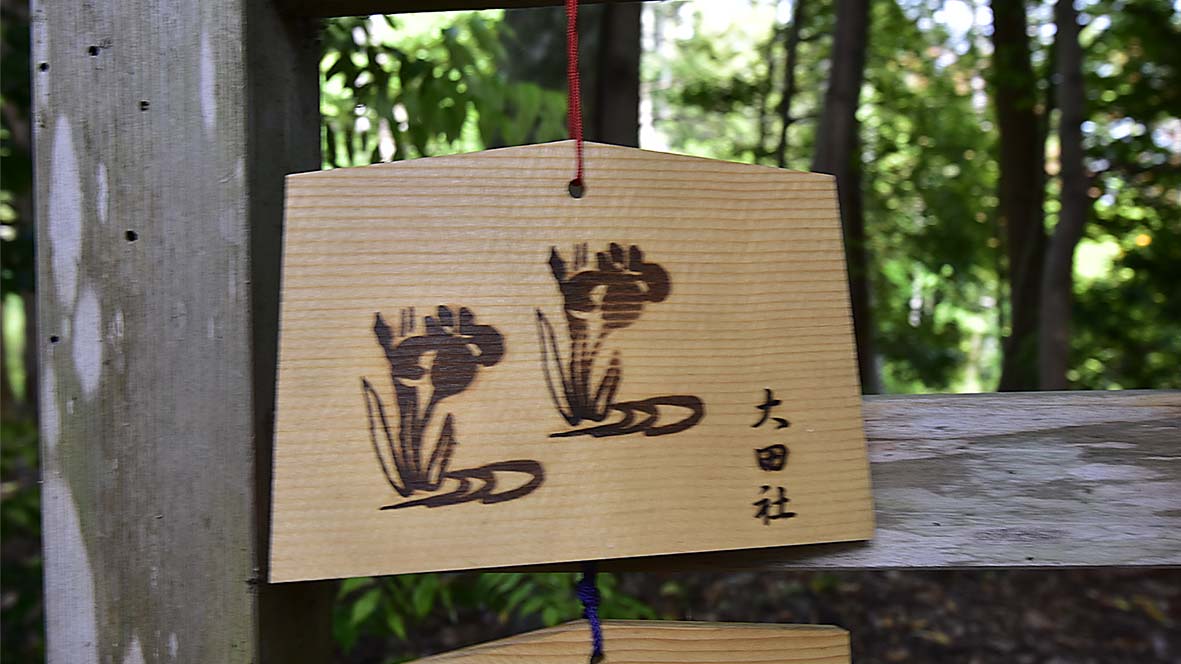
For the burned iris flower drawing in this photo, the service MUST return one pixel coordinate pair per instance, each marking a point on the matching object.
(425, 370)
(599, 302)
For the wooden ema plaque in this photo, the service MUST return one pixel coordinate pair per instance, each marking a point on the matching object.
(666, 642)
(478, 370)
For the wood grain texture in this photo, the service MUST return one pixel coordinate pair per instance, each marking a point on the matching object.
(328, 8)
(1039, 479)
(757, 300)
(665, 642)
(163, 133)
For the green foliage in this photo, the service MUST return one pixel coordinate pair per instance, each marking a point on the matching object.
(930, 171)
(718, 91)
(21, 633)
(929, 174)
(16, 165)
(395, 91)
(1128, 326)
(21, 637)
(929, 182)
(402, 607)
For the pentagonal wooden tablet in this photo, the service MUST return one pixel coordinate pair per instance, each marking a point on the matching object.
(478, 370)
(665, 642)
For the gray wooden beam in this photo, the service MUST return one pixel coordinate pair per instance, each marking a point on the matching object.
(1050, 479)
(328, 8)
(162, 134)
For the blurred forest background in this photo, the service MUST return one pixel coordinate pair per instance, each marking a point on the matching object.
(1010, 176)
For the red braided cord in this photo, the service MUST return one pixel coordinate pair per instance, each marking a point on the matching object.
(574, 90)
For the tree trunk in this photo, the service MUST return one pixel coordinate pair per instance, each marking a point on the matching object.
(1058, 280)
(616, 117)
(1021, 190)
(609, 56)
(766, 88)
(838, 151)
(798, 16)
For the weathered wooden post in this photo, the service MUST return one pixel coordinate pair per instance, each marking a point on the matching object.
(163, 132)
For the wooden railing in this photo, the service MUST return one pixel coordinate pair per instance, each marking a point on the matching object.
(1026, 479)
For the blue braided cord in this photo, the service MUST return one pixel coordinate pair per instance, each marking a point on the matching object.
(588, 594)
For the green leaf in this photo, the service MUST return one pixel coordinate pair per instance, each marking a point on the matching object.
(526, 98)
(349, 586)
(517, 596)
(459, 55)
(424, 595)
(454, 117)
(364, 607)
(397, 624)
(335, 68)
(345, 633)
(533, 604)
(485, 38)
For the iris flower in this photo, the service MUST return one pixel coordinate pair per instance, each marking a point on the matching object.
(441, 363)
(597, 302)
